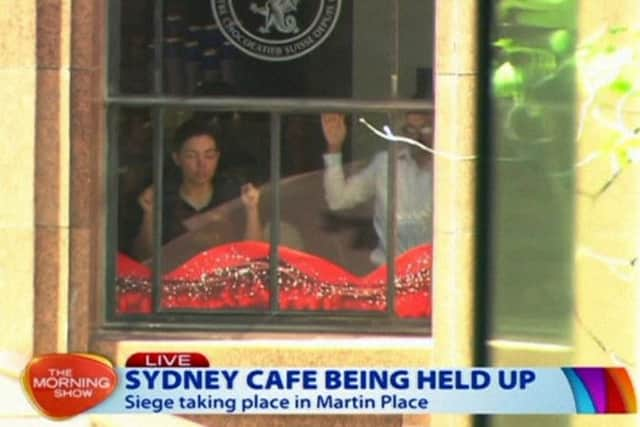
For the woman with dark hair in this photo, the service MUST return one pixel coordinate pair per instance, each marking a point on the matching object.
(196, 151)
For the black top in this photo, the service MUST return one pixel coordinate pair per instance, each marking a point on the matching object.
(176, 210)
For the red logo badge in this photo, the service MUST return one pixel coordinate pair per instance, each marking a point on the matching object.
(64, 385)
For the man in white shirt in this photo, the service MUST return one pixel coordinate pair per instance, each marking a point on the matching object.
(414, 178)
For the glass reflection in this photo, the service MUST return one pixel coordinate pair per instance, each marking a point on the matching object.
(534, 105)
(358, 59)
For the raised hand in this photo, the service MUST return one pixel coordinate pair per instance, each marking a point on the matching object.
(250, 196)
(334, 128)
(145, 200)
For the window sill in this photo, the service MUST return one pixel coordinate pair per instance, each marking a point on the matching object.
(271, 349)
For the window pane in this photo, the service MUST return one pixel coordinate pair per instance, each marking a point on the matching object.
(369, 49)
(534, 105)
(131, 47)
(413, 182)
(212, 213)
(134, 174)
(214, 253)
(215, 247)
(333, 217)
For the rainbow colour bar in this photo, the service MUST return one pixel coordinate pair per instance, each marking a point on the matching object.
(601, 390)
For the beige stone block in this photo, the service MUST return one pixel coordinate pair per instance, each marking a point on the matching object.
(456, 31)
(52, 149)
(51, 289)
(298, 420)
(607, 297)
(594, 176)
(16, 288)
(605, 421)
(87, 50)
(82, 310)
(608, 226)
(631, 104)
(593, 149)
(449, 420)
(610, 211)
(626, 184)
(54, 34)
(614, 248)
(85, 133)
(608, 104)
(17, 98)
(18, 38)
(607, 307)
(454, 196)
(49, 33)
(294, 350)
(607, 300)
(455, 127)
(141, 420)
(455, 167)
(416, 420)
(453, 298)
(594, 16)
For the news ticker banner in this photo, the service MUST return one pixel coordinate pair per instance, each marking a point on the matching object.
(64, 385)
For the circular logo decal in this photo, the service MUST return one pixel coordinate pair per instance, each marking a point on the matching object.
(276, 30)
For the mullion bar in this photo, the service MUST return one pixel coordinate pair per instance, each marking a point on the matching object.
(274, 255)
(157, 121)
(392, 156)
(395, 54)
(114, 48)
(391, 223)
(158, 202)
(113, 160)
(279, 105)
(158, 45)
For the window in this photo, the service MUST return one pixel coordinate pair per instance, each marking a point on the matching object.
(534, 139)
(225, 211)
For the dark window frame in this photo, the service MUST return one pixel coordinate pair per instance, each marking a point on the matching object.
(236, 320)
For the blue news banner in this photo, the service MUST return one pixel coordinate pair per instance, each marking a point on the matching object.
(340, 391)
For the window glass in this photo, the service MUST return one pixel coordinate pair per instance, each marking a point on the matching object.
(131, 166)
(230, 208)
(213, 169)
(333, 201)
(214, 252)
(134, 171)
(217, 213)
(366, 49)
(533, 214)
